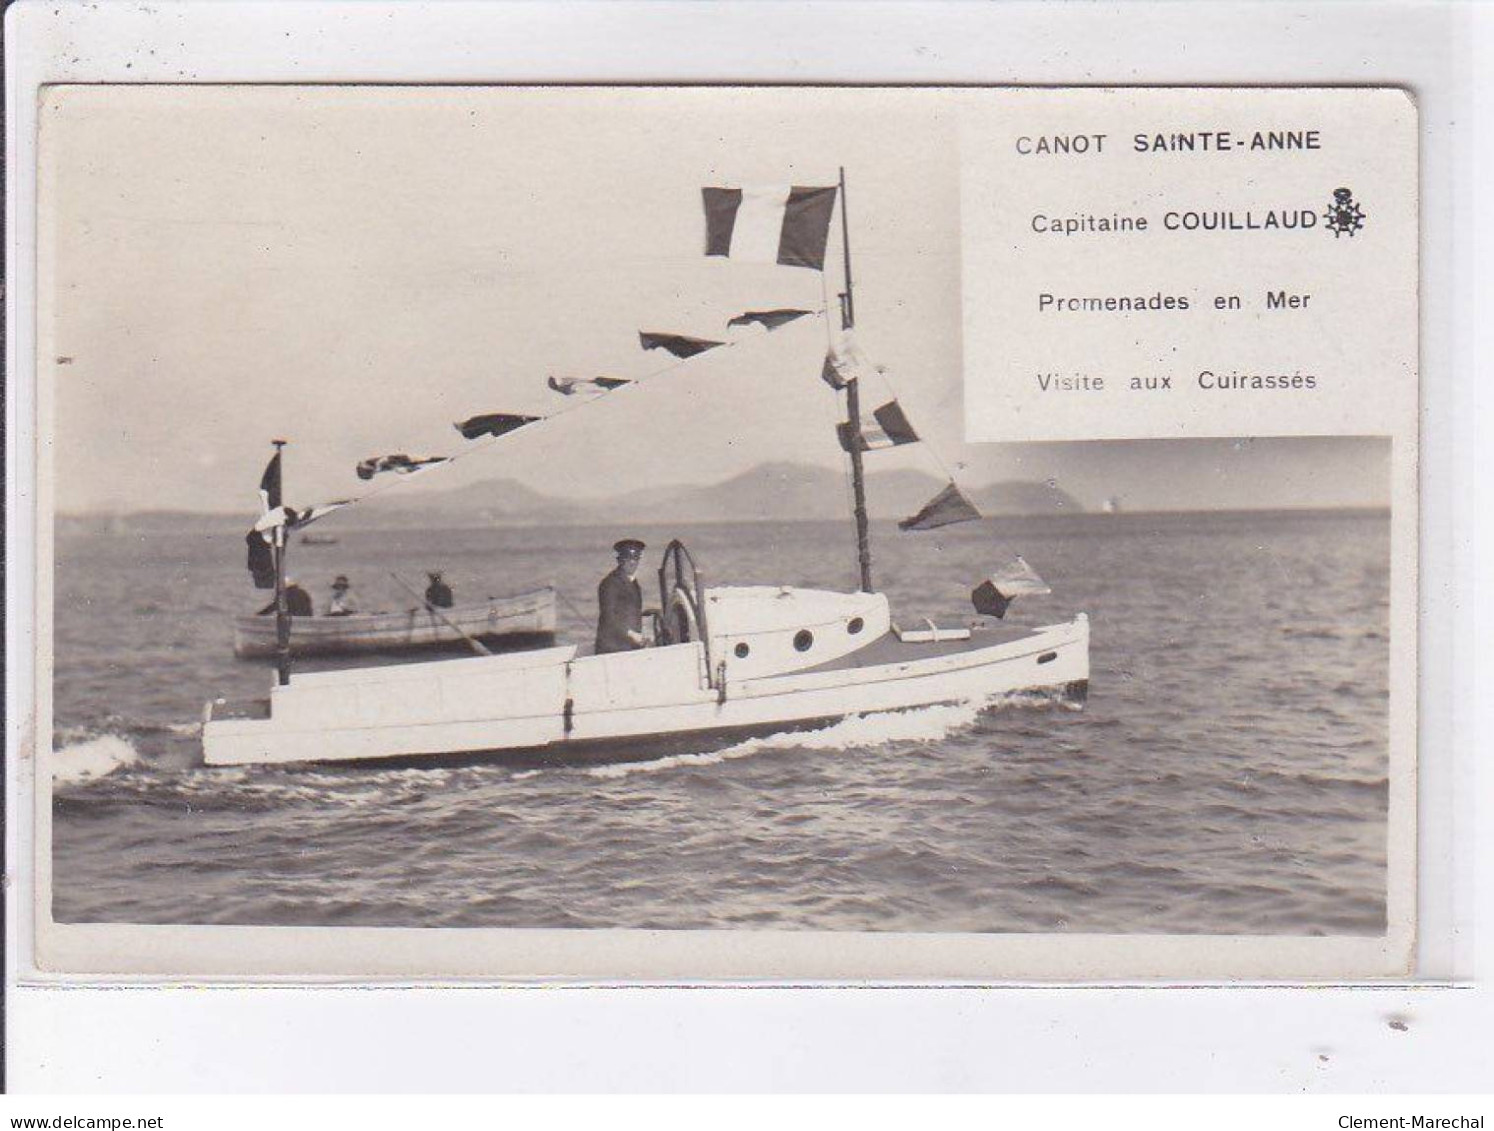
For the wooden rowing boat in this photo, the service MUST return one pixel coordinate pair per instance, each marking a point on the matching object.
(522, 620)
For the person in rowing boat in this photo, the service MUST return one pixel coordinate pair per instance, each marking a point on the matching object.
(620, 602)
(343, 603)
(438, 593)
(297, 601)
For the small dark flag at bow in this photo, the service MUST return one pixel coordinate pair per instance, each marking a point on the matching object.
(677, 344)
(493, 424)
(1015, 579)
(944, 509)
(767, 319)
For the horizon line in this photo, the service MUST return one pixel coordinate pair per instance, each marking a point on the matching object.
(1308, 508)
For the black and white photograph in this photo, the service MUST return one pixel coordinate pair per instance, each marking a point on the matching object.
(552, 509)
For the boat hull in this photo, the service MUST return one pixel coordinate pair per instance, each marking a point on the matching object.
(553, 705)
(523, 619)
(652, 747)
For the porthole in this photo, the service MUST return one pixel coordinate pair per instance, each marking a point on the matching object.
(1047, 657)
(741, 650)
(855, 625)
(803, 640)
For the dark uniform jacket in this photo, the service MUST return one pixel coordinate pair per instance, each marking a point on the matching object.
(297, 603)
(438, 593)
(619, 609)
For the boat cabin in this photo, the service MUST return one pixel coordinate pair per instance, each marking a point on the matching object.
(759, 630)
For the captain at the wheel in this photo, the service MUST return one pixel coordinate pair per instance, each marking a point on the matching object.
(620, 602)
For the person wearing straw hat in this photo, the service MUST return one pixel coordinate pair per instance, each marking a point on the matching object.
(343, 603)
(620, 602)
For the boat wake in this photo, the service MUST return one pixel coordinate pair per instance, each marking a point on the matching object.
(92, 758)
(858, 732)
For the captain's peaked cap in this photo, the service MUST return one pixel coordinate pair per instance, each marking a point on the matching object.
(629, 547)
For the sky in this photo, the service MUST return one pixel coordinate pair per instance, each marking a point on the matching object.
(354, 269)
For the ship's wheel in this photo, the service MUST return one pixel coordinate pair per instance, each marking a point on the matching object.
(679, 596)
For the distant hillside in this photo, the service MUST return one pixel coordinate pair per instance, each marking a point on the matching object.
(770, 492)
(777, 492)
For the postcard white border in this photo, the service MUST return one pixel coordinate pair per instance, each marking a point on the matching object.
(935, 44)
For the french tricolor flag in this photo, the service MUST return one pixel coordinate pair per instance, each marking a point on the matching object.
(775, 224)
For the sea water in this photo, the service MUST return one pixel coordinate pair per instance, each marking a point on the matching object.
(1228, 775)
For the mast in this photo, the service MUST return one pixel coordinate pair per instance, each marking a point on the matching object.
(282, 615)
(853, 405)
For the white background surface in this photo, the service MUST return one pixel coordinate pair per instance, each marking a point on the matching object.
(1355, 337)
(182, 1039)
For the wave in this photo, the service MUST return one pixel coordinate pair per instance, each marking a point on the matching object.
(93, 758)
(857, 732)
(1313, 632)
(1321, 782)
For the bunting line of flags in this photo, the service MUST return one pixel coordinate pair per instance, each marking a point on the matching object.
(498, 424)
(787, 225)
(888, 426)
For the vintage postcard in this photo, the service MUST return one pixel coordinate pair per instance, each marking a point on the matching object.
(702, 533)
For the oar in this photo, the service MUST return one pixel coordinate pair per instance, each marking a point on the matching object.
(477, 645)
